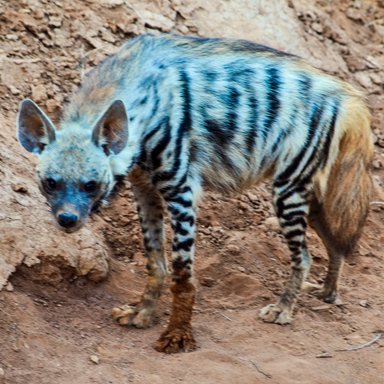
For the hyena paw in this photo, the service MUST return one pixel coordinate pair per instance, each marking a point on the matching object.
(133, 315)
(176, 340)
(320, 291)
(274, 313)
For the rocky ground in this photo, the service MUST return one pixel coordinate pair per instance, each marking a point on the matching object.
(58, 289)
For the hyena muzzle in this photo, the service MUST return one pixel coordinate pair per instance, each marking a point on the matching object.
(179, 113)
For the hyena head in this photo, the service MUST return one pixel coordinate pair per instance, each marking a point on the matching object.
(74, 168)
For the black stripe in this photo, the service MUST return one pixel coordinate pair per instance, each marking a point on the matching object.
(170, 191)
(274, 85)
(184, 128)
(178, 228)
(232, 107)
(305, 85)
(183, 245)
(183, 202)
(294, 233)
(292, 214)
(283, 178)
(216, 134)
(186, 218)
(296, 189)
(330, 133)
(251, 135)
(292, 222)
(294, 244)
(160, 146)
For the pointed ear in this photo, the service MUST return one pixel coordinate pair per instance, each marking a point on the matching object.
(34, 128)
(111, 131)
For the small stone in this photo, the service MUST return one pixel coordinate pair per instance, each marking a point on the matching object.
(317, 27)
(2, 373)
(14, 90)
(233, 249)
(39, 92)
(12, 37)
(9, 287)
(241, 269)
(20, 188)
(55, 22)
(95, 359)
(272, 224)
(324, 307)
(363, 303)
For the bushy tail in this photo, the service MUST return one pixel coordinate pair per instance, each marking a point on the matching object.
(344, 201)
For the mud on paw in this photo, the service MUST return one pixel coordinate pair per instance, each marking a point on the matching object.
(176, 340)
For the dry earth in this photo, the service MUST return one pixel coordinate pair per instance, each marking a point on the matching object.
(55, 312)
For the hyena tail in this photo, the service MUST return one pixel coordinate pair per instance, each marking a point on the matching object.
(343, 189)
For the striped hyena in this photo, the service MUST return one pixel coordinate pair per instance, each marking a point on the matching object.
(176, 113)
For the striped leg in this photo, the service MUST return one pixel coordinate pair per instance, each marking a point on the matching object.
(292, 210)
(178, 335)
(150, 208)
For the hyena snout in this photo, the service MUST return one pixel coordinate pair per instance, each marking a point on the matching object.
(68, 220)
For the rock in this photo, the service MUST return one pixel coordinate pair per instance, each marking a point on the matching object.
(157, 21)
(272, 224)
(39, 93)
(9, 287)
(323, 307)
(363, 303)
(2, 372)
(233, 249)
(15, 91)
(55, 22)
(20, 188)
(95, 359)
(111, 3)
(12, 37)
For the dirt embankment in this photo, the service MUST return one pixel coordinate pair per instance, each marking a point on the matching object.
(53, 317)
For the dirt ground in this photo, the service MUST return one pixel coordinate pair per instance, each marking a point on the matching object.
(58, 289)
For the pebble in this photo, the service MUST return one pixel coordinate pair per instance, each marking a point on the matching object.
(95, 359)
(15, 91)
(363, 303)
(233, 249)
(9, 287)
(2, 373)
(20, 188)
(272, 224)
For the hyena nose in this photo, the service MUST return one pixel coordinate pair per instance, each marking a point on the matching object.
(67, 219)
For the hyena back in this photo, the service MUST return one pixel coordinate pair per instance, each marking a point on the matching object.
(179, 113)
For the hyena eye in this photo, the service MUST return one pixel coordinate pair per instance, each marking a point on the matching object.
(90, 186)
(50, 185)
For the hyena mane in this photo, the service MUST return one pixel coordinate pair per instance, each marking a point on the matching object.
(178, 114)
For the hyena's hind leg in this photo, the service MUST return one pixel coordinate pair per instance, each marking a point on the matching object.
(291, 204)
(336, 254)
(150, 209)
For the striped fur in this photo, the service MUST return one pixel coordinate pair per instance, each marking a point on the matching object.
(212, 113)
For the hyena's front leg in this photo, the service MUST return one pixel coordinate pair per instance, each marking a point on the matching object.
(178, 335)
(292, 210)
(150, 209)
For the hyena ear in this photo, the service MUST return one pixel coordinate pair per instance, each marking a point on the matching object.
(34, 128)
(111, 131)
